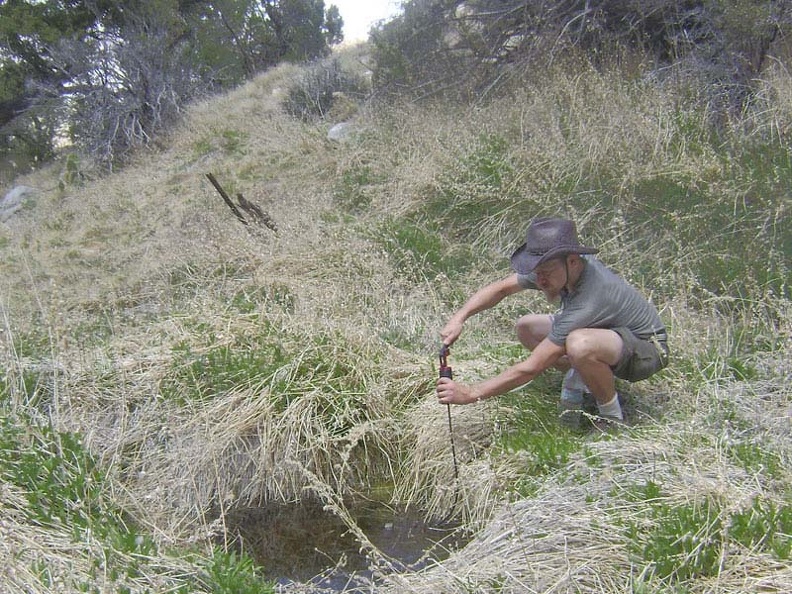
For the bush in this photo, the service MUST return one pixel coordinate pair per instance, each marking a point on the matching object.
(322, 86)
(438, 46)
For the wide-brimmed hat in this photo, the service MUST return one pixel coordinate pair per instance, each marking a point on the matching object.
(545, 239)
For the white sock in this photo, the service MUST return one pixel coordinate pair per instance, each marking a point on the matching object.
(611, 409)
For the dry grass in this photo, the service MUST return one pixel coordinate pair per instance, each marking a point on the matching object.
(109, 282)
(572, 535)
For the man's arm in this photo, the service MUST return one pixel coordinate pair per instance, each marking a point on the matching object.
(485, 298)
(543, 356)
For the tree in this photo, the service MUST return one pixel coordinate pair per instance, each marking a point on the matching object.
(411, 52)
(334, 26)
(114, 74)
(28, 33)
(298, 27)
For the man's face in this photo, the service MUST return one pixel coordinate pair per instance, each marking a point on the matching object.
(551, 276)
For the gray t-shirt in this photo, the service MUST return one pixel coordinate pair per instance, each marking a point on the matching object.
(600, 299)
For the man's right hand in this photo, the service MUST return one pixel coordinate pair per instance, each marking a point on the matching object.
(451, 332)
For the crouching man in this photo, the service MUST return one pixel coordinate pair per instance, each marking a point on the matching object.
(604, 328)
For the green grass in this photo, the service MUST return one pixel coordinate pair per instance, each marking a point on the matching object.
(419, 251)
(765, 526)
(284, 367)
(233, 573)
(531, 431)
(479, 192)
(757, 457)
(356, 187)
(682, 541)
(60, 480)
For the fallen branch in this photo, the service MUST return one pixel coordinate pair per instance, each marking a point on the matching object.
(226, 198)
(253, 210)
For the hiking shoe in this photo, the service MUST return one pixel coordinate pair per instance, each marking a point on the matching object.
(590, 404)
(570, 407)
(576, 400)
(607, 425)
(570, 413)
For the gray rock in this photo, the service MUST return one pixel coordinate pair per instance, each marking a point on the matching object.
(15, 200)
(341, 132)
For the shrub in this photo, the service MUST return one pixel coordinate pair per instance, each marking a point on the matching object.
(320, 87)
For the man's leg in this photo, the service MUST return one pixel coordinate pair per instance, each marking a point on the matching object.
(593, 353)
(533, 329)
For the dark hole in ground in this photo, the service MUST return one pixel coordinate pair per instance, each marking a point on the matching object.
(302, 542)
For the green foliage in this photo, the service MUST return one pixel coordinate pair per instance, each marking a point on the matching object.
(71, 175)
(233, 141)
(286, 366)
(319, 87)
(65, 489)
(648, 492)
(34, 344)
(717, 365)
(409, 52)
(419, 252)
(60, 480)
(62, 65)
(714, 367)
(63, 486)
(334, 25)
(440, 46)
(681, 542)
(531, 431)
(479, 192)
(765, 526)
(29, 31)
(210, 373)
(202, 147)
(730, 232)
(299, 26)
(232, 573)
(757, 457)
(489, 164)
(355, 187)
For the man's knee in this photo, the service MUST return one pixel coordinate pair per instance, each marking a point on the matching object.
(588, 344)
(580, 345)
(533, 329)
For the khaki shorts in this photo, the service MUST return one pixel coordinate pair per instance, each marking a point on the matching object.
(640, 358)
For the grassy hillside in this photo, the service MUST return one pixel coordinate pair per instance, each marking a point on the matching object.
(164, 364)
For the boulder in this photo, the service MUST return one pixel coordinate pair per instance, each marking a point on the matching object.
(14, 200)
(340, 132)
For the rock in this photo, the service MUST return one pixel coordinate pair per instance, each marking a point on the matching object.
(341, 132)
(14, 200)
